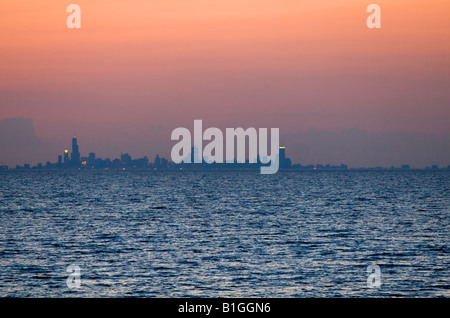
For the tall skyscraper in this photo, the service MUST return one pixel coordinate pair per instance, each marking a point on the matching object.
(75, 156)
(282, 154)
(66, 157)
(285, 163)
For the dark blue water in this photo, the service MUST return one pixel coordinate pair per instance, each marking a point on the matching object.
(223, 234)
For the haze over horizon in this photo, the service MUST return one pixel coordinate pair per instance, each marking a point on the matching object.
(353, 147)
(136, 70)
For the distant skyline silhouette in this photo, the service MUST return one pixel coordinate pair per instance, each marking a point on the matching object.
(72, 158)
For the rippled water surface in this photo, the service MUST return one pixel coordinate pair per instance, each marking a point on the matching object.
(224, 234)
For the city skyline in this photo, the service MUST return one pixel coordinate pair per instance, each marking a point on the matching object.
(72, 159)
(19, 145)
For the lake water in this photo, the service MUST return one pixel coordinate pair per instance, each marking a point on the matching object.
(224, 233)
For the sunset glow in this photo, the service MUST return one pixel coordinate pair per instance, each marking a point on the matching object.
(137, 69)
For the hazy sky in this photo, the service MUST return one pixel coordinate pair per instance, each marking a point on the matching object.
(138, 69)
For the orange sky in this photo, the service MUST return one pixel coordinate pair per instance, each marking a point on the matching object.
(137, 69)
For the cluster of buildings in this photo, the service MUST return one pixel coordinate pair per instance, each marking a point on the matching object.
(74, 160)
